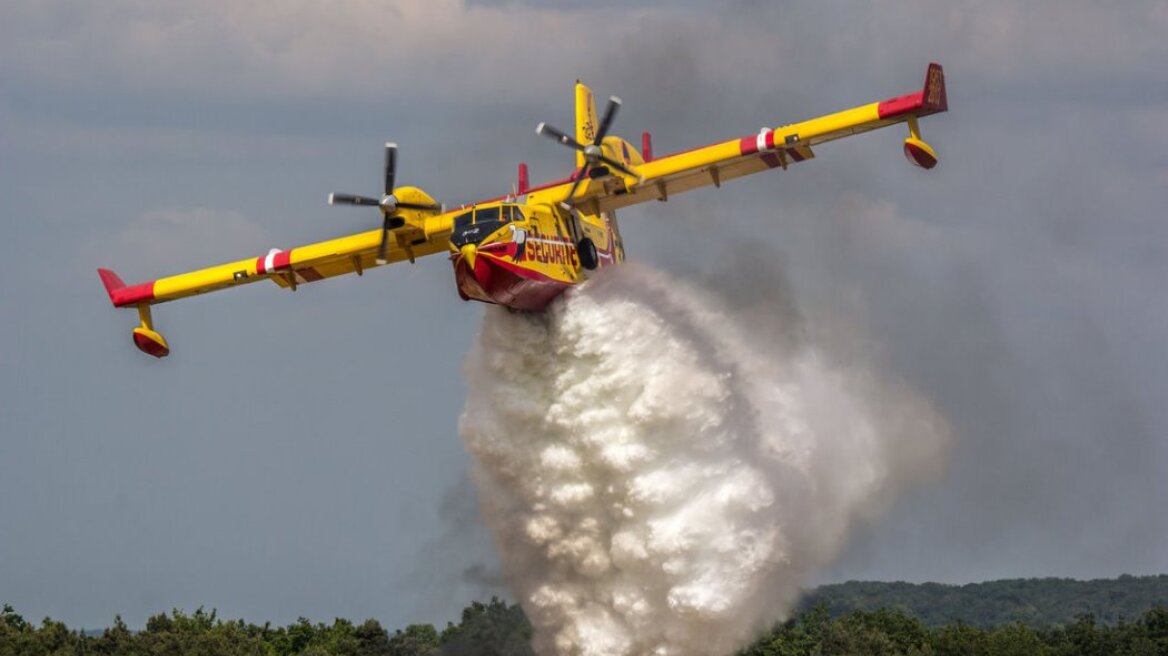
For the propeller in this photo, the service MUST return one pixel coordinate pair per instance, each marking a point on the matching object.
(593, 153)
(388, 204)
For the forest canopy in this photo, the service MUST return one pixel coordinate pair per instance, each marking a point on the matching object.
(1128, 615)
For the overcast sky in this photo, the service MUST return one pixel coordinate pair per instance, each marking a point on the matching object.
(297, 454)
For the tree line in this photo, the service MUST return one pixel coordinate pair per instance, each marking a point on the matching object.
(492, 628)
(1034, 602)
(497, 628)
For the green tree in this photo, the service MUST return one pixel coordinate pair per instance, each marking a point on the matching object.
(1015, 640)
(416, 640)
(493, 629)
(372, 639)
(116, 641)
(960, 640)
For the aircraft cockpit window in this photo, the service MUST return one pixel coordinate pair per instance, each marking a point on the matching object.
(474, 227)
(487, 214)
(512, 213)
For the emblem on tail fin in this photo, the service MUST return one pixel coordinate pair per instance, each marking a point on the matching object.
(585, 118)
(934, 93)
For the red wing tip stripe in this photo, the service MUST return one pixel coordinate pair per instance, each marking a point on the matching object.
(133, 294)
(110, 280)
(901, 105)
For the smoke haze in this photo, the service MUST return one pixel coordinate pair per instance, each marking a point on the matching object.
(661, 473)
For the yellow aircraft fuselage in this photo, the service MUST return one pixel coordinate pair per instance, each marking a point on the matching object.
(524, 256)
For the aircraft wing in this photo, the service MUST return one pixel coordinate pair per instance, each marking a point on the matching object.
(422, 234)
(779, 147)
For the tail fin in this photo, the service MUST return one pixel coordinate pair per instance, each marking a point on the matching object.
(586, 122)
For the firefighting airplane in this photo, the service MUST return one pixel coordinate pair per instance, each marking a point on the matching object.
(524, 249)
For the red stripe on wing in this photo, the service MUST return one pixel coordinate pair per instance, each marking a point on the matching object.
(281, 260)
(133, 294)
(901, 105)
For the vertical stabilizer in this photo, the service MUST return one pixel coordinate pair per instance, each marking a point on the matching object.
(585, 118)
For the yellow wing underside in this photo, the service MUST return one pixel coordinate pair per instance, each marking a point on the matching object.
(661, 178)
(779, 147)
(292, 267)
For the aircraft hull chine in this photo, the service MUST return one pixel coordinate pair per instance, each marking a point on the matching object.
(495, 280)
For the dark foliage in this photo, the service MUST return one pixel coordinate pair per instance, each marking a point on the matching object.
(1034, 602)
(499, 629)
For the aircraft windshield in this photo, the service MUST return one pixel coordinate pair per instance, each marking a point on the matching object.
(474, 226)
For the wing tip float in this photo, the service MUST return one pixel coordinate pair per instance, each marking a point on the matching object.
(146, 339)
(420, 226)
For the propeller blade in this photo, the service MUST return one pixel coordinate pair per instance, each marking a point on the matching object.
(614, 104)
(545, 129)
(593, 152)
(581, 173)
(350, 199)
(390, 166)
(381, 249)
(618, 166)
(420, 206)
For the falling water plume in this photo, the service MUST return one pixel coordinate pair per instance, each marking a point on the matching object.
(662, 470)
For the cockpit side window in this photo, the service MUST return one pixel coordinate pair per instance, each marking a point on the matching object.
(516, 213)
(487, 214)
(462, 221)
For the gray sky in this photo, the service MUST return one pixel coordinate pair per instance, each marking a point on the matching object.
(297, 454)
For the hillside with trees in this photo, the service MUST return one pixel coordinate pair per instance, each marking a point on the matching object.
(829, 626)
(1034, 602)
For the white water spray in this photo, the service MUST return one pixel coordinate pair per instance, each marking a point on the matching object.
(661, 475)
